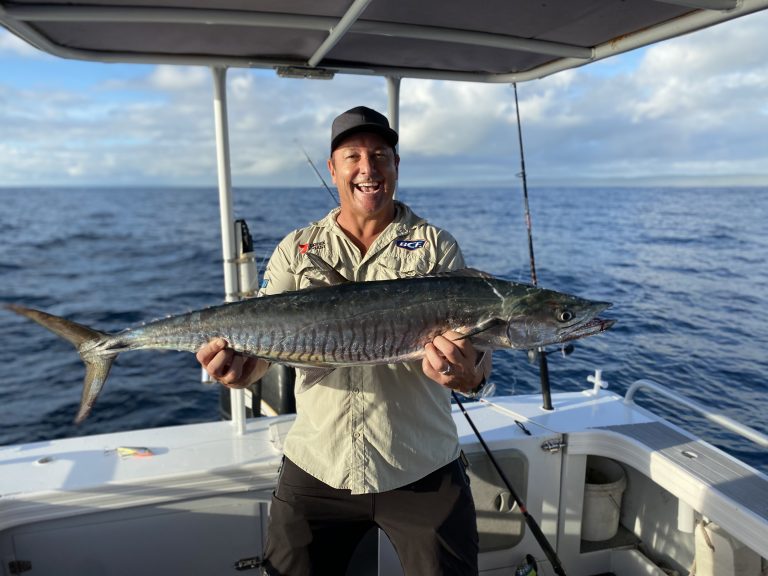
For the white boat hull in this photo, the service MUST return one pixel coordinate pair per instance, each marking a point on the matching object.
(199, 503)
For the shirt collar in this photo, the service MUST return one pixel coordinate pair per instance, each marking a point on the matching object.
(405, 220)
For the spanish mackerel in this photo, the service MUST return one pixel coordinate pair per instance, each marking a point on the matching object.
(323, 328)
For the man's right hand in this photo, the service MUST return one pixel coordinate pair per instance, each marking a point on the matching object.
(228, 367)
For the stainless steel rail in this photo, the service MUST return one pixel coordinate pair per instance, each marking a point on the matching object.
(719, 419)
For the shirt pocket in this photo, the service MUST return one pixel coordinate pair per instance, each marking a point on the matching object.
(406, 265)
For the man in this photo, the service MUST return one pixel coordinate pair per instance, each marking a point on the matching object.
(371, 445)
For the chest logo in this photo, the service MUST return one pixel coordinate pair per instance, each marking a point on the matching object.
(314, 247)
(411, 244)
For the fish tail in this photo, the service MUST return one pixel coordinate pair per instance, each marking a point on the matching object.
(97, 363)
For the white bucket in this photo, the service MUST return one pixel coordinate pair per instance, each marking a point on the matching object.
(606, 482)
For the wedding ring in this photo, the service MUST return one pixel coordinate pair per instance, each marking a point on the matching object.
(447, 371)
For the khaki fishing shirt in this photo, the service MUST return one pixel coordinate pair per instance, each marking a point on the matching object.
(369, 428)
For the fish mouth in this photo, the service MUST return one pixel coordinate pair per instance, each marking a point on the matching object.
(590, 328)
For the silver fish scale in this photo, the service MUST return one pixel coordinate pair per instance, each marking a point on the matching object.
(368, 323)
(371, 322)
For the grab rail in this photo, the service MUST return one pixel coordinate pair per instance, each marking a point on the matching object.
(724, 421)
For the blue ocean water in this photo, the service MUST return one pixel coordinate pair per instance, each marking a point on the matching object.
(686, 270)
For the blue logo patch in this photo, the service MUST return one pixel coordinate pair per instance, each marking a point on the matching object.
(410, 244)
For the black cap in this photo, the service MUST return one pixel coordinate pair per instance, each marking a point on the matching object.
(361, 119)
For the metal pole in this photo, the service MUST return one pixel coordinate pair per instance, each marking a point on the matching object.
(714, 417)
(393, 106)
(338, 31)
(226, 212)
(393, 102)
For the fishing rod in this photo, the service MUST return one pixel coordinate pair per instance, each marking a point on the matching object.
(546, 547)
(312, 164)
(546, 393)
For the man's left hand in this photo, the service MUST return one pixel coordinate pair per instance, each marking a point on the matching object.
(451, 361)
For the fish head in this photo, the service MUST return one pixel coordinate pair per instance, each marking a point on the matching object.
(543, 317)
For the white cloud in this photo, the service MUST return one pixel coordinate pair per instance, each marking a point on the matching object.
(179, 78)
(694, 107)
(13, 45)
(704, 73)
(448, 119)
(691, 107)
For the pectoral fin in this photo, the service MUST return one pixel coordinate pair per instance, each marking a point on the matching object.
(332, 276)
(312, 375)
(481, 328)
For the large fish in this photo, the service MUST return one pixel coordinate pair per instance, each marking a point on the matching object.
(347, 323)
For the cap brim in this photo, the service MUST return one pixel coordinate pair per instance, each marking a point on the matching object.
(389, 135)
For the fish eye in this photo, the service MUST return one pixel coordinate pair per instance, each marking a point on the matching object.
(564, 316)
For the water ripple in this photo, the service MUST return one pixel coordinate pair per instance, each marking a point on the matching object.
(690, 291)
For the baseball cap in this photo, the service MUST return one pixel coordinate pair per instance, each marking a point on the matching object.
(361, 119)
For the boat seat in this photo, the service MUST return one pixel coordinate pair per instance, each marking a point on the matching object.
(715, 469)
(720, 487)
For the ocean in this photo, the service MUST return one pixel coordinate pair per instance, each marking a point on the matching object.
(685, 268)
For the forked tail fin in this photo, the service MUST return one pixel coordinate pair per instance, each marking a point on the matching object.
(97, 364)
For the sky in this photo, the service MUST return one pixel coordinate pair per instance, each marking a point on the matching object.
(691, 112)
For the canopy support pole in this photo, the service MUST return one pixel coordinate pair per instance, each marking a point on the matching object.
(226, 212)
(393, 102)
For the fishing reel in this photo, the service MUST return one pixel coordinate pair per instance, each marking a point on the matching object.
(535, 353)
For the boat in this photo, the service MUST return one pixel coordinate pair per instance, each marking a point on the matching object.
(614, 488)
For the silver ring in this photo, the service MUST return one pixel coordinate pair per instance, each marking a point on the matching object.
(447, 371)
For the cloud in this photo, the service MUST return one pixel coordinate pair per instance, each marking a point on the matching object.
(692, 109)
(450, 119)
(12, 45)
(179, 78)
(694, 76)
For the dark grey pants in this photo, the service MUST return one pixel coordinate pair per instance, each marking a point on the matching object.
(314, 529)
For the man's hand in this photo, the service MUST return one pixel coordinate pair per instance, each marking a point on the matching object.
(228, 367)
(451, 361)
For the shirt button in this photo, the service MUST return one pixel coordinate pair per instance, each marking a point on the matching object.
(356, 435)
(356, 390)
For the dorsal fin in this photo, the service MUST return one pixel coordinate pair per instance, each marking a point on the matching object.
(333, 277)
(468, 272)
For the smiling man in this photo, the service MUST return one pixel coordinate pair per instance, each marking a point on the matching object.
(372, 446)
(364, 168)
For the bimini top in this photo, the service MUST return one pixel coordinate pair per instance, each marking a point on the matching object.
(485, 41)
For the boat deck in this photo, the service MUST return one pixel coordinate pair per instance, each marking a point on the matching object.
(83, 475)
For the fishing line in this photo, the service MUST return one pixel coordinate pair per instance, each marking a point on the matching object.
(546, 394)
(546, 547)
(507, 412)
(312, 164)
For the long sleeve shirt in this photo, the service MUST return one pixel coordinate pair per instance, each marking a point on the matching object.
(369, 428)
